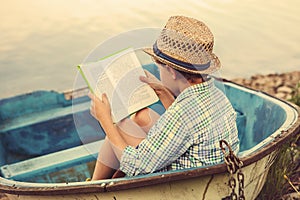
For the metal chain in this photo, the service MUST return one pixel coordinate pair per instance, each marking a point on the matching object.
(240, 177)
(233, 164)
(232, 185)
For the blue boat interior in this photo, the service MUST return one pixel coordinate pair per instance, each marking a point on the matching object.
(44, 137)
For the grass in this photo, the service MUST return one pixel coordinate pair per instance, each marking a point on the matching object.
(283, 177)
(296, 95)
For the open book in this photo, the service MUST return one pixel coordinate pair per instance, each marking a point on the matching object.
(117, 75)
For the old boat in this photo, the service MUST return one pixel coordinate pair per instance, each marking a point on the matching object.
(45, 154)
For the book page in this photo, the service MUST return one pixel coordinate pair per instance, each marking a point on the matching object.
(134, 93)
(104, 85)
(91, 73)
(129, 94)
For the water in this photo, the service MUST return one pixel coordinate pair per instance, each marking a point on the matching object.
(43, 40)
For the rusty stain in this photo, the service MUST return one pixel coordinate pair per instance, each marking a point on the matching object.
(207, 186)
(96, 197)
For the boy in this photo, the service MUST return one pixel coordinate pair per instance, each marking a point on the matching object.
(188, 133)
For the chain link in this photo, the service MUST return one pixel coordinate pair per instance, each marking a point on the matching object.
(232, 185)
(240, 177)
(234, 164)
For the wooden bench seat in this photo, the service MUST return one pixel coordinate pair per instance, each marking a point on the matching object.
(51, 162)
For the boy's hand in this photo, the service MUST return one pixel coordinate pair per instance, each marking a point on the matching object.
(100, 109)
(153, 82)
(150, 78)
(164, 94)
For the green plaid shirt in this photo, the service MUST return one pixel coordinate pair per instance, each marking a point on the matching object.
(187, 134)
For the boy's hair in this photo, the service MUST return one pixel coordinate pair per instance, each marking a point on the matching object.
(192, 77)
(188, 76)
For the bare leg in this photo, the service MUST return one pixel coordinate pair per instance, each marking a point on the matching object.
(145, 118)
(133, 131)
(102, 171)
(142, 117)
(106, 163)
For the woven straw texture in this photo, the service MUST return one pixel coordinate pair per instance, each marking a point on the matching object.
(187, 40)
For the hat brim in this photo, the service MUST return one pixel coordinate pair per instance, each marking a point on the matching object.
(215, 63)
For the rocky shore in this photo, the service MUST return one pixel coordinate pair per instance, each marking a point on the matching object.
(278, 85)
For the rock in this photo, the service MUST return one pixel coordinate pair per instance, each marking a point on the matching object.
(260, 81)
(278, 82)
(239, 80)
(290, 84)
(280, 95)
(288, 97)
(270, 90)
(284, 89)
(247, 82)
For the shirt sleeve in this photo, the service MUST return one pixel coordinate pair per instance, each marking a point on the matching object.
(167, 140)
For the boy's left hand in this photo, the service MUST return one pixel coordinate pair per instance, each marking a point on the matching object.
(100, 109)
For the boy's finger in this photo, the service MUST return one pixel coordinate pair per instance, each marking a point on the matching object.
(144, 79)
(104, 98)
(91, 95)
(147, 73)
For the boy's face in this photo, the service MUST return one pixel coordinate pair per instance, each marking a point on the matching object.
(167, 78)
(161, 67)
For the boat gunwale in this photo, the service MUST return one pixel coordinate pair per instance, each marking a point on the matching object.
(21, 188)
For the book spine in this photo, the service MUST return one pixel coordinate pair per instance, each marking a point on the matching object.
(85, 79)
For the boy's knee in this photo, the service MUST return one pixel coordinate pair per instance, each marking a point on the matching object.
(142, 117)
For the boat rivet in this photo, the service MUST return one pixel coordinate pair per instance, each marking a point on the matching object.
(111, 183)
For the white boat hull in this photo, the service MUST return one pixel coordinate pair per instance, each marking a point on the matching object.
(209, 187)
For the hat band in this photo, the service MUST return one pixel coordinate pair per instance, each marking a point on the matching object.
(178, 62)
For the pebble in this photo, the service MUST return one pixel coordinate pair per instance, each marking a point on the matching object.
(285, 89)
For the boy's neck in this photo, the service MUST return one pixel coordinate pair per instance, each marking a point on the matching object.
(195, 81)
(185, 84)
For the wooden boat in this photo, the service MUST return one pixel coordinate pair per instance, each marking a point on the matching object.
(49, 144)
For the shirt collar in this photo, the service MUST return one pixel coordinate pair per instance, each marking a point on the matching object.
(196, 89)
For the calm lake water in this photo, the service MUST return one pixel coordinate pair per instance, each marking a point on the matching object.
(43, 40)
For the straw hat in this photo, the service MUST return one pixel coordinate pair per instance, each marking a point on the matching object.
(186, 44)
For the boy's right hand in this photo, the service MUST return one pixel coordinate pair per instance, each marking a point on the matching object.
(150, 78)
(164, 94)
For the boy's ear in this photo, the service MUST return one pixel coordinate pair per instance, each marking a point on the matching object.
(172, 72)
